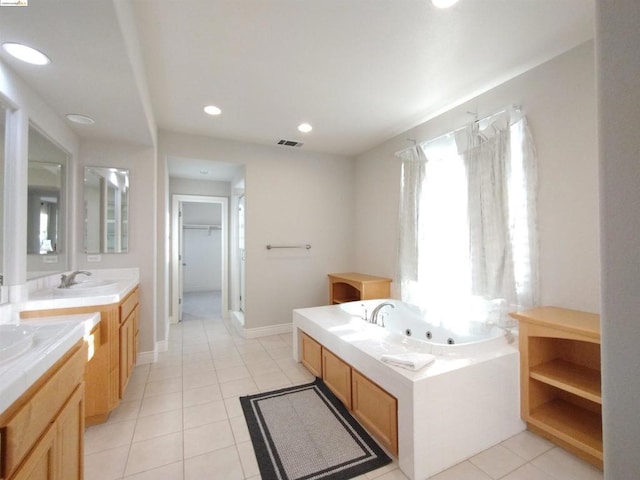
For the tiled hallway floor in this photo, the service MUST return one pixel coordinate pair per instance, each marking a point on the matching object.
(181, 418)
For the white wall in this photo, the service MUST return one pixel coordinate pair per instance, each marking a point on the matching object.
(618, 44)
(559, 101)
(141, 162)
(292, 197)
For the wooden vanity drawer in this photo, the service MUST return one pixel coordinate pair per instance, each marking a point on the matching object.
(30, 416)
(128, 304)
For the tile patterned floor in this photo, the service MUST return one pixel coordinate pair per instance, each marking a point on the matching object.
(181, 418)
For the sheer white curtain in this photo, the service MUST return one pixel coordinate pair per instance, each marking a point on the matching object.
(471, 254)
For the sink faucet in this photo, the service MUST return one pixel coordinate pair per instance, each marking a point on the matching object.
(374, 313)
(67, 280)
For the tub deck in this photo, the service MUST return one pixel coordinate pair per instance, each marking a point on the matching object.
(448, 411)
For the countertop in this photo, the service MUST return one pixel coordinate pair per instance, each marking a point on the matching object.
(53, 337)
(49, 299)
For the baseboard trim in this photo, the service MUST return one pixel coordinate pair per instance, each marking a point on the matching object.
(147, 357)
(266, 331)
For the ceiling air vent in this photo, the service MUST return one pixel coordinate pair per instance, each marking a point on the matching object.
(290, 143)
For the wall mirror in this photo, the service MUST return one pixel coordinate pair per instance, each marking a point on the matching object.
(46, 210)
(106, 210)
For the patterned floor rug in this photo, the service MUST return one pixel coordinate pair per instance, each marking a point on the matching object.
(305, 433)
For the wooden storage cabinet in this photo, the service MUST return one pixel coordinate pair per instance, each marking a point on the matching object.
(115, 351)
(561, 380)
(128, 338)
(311, 354)
(43, 430)
(337, 376)
(375, 408)
(350, 287)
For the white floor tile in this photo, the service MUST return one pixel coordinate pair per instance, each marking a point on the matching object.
(497, 461)
(173, 471)
(108, 435)
(224, 462)
(528, 472)
(207, 438)
(462, 471)
(154, 453)
(527, 445)
(158, 425)
(561, 465)
(204, 413)
(107, 464)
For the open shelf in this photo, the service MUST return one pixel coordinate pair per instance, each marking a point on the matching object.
(570, 377)
(574, 425)
(560, 379)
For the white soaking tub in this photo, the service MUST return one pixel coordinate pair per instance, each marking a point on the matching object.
(464, 402)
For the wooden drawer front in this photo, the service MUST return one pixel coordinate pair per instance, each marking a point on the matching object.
(337, 376)
(311, 354)
(41, 407)
(128, 304)
(376, 410)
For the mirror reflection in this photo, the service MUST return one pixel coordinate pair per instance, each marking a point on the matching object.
(106, 207)
(46, 218)
(43, 207)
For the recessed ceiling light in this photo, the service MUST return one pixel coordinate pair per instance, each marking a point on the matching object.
(212, 110)
(81, 119)
(26, 54)
(444, 3)
(305, 127)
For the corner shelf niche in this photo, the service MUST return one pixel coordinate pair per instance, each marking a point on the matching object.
(560, 378)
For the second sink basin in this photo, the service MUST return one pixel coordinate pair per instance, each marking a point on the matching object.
(14, 341)
(89, 287)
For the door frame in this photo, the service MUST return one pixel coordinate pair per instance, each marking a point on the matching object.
(176, 262)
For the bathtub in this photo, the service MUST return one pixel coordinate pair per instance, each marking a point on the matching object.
(466, 401)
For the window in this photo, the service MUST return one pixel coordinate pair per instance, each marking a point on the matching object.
(468, 243)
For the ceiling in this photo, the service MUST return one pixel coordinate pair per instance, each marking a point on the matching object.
(359, 71)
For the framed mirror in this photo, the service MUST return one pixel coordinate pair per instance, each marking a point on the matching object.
(46, 209)
(106, 210)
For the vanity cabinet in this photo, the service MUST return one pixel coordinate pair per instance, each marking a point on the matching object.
(115, 349)
(351, 287)
(128, 338)
(375, 408)
(42, 432)
(560, 378)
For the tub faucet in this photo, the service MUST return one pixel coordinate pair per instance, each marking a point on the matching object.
(67, 280)
(374, 313)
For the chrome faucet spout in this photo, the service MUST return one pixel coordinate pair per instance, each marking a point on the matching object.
(374, 313)
(67, 280)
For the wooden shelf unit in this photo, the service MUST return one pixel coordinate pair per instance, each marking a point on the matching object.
(560, 378)
(351, 287)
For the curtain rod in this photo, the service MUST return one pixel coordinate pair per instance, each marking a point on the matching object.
(511, 108)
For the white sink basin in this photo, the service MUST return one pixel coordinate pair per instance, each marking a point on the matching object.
(14, 341)
(87, 288)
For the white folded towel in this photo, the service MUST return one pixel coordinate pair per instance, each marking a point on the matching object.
(410, 360)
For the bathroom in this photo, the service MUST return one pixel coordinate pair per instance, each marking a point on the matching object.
(559, 97)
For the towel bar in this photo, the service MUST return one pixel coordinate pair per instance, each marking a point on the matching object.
(307, 246)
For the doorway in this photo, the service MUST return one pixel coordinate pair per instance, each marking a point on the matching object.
(199, 257)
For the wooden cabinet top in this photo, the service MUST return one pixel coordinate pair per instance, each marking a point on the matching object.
(357, 277)
(574, 321)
